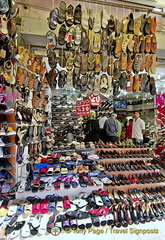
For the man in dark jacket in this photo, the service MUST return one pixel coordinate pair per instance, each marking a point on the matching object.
(92, 130)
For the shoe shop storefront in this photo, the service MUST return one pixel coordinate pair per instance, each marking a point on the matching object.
(82, 136)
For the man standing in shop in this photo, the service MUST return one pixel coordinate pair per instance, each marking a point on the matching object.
(101, 126)
(138, 128)
(111, 128)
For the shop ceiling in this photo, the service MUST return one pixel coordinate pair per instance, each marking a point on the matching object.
(33, 24)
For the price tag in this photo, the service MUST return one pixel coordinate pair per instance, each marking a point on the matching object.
(83, 107)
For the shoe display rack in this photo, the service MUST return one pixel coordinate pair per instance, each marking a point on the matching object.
(64, 119)
(129, 168)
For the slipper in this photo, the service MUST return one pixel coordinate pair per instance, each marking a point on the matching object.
(91, 60)
(62, 34)
(62, 58)
(84, 18)
(56, 185)
(53, 18)
(96, 90)
(36, 208)
(96, 42)
(51, 205)
(84, 40)
(48, 186)
(28, 209)
(43, 225)
(117, 70)
(77, 14)
(91, 80)
(51, 40)
(69, 61)
(98, 200)
(69, 15)
(20, 209)
(84, 64)
(25, 231)
(12, 210)
(50, 224)
(62, 12)
(103, 84)
(104, 18)
(97, 23)
(66, 202)
(59, 205)
(98, 63)
(77, 39)
(50, 171)
(95, 221)
(36, 182)
(44, 206)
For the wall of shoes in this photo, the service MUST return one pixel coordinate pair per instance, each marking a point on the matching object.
(63, 184)
(103, 54)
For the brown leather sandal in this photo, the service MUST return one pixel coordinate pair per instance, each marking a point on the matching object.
(136, 83)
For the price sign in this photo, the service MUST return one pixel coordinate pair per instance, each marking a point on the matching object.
(83, 107)
(95, 101)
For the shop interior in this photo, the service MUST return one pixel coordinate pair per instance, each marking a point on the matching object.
(61, 62)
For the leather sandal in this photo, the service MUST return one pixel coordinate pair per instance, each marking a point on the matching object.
(123, 81)
(77, 39)
(76, 78)
(97, 23)
(98, 64)
(118, 49)
(61, 35)
(148, 44)
(104, 60)
(129, 86)
(69, 15)
(83, 88)
(84, 18)
(53, 18)
(152, 86)
(62, 58)
(84, 40)
(104, 40)
(154, 64)
(104, 18)
(137, 62)
(153, 25)
(145, 83)
(143, 63)
(123, 61)
(103, 83)
(153, 44)
(131, 23)
(136, 44)
(91, 60)
(117, 69)
(137, 24)
(142, 43)
(77, 14)
(96, 42)
(91, 80)
(96, 90)
(62, 12)
(148, 62)
(125, 21)
(136, 83)
(77, 59)
(118, 27)
(84, 64)
(130, 61)
(110, 68)
(69, 61)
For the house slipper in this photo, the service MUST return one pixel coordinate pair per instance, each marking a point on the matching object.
(25, 231)
(91, 60)
(51, 40)
(44, 206)
(97, 23)
(66, 202)
(96, 90)
(84, 18)
(77, 39)
(53, 18)
(84, 40)
(56, 185)
(103, 84)
(59, 205)
(69, 61)
(50, 224)
(20, 209)
(77, 14)
(98, 63)
(62, 12)
(96, 42)
(62, 34)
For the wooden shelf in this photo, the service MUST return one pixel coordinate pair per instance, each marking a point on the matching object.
(119, 149)
(127, 173)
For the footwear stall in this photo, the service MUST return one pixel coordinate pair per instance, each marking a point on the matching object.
(100, 56)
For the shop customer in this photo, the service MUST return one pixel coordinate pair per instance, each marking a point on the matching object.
(129, 130)
(92, 131)
(101, 126)
(138, 128)
(118, 136)
(111, 128)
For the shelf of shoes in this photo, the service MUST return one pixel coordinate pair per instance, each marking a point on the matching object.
(64, 115)
(121, 170)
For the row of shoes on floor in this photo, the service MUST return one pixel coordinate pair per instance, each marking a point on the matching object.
(104, 208)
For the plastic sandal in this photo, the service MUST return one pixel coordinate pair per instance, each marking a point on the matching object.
(66, 202)
(51, 223)
(56, 185)
(36, 208)
(44, 206)
(59, 205)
